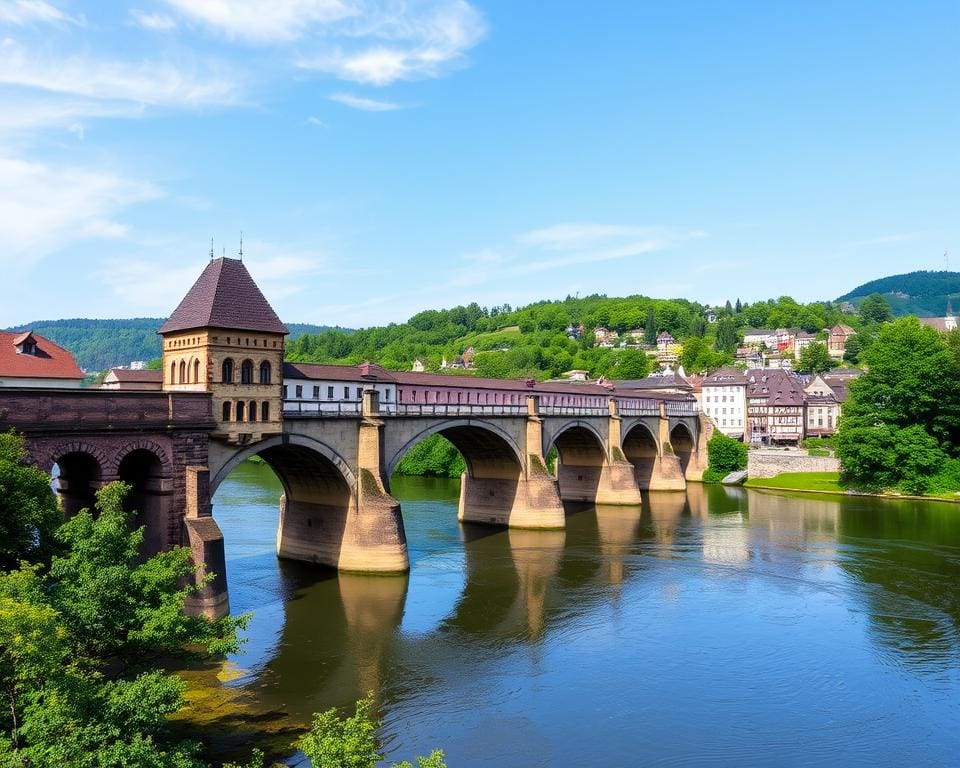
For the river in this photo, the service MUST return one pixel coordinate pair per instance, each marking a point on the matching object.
(721, 627)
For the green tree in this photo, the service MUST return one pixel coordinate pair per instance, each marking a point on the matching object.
(28, 509)
(727, 335)
(815, 358)
(875, 309)
(650, 330)
(724, 455)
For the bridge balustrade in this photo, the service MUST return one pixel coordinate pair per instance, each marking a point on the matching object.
(574, 410)
(457, 409)
(638, 407)
(683, 408)
(322, 409)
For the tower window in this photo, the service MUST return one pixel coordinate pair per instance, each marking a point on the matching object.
(253, 410)
(264, 411)
(246, 372)
(240, 410)
(227, 371)
(226, 410)
(265, 372)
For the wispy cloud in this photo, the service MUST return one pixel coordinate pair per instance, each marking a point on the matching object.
(157, 22)
(314, 120)
(161, 83)
(367, 105)
(25, 12)
(45, 208)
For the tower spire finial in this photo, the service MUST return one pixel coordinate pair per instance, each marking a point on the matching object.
(211, 249)
(241, 245)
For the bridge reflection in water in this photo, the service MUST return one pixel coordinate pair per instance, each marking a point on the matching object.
(721, 622)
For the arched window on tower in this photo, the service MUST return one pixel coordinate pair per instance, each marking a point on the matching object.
(196, 371)
(183, 371)
(226, 371)
(173, 373)
(227, 410)
(265, 372)
(240, 410)
(246, 372)
(264, 411)
(252, 410)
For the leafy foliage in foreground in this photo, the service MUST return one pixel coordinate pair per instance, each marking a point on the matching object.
(79, 641)
(28, 509)
(902, 421)
(724, 455)
(434, 456)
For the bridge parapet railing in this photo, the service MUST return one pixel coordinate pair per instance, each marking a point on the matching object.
(574, 410)
(321, 409)
(638, 407)
(675, 408)
(455, 409)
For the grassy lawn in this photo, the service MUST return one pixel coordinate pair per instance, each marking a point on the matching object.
(800, 481)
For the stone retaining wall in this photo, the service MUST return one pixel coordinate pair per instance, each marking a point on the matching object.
(761, 463)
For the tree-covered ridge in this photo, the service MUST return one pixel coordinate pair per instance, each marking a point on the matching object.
(923, 293)
(534, 341)
(101, 344)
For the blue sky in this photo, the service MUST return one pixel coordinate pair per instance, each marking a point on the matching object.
(388, 156)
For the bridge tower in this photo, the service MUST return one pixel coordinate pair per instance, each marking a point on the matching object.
(225, 338)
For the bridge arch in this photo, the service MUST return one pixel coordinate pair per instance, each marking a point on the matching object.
(684, 444)
(487, 449)
(642, 449)
(143, 468)
(581, 458)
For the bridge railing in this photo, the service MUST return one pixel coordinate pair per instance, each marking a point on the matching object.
(456, 409)
(681, 408)
(638, 407)
(322, 409)
(574, 410)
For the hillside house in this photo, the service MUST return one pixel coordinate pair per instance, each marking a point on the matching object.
(28, 359)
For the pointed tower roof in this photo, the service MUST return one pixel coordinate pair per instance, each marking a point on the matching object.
(224, 296)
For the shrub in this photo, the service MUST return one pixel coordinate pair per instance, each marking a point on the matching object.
(725, 455)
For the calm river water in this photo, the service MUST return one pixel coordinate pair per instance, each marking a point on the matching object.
(724, 627)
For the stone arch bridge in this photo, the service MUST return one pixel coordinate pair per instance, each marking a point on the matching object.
(336, 509)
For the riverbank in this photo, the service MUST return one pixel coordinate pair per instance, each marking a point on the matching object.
(829, 483)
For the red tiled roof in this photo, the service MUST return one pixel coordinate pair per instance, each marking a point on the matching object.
(224, 296)
(128, 375)
(335, 372)
(49, 362)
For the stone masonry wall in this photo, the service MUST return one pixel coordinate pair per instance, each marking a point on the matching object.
(761, 463)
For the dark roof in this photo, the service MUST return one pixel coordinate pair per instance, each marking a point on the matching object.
(776, 385)
(336, 372)
(224, 296)
(48, 361)
(725, 377)
(127, 374)
(670, 381)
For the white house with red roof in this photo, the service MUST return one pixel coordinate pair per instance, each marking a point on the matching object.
(28, 359)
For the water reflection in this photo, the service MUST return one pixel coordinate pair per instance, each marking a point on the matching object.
(727, 625)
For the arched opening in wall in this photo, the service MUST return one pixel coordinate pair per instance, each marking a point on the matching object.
(227, 410)
(640, 449)
(241, 411)
(580, 460)
(683, 445)
(183, 372)
(76, 478)
(426, 478)
(173, 373)
(246, 372)
(196, 371)
(489, 462)
(143, 471)
(226, 371)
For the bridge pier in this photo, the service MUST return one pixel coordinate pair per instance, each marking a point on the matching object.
(202, 534)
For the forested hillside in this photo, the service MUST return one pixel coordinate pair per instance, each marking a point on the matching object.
(533, 340)
(102, 344)
(922, 293)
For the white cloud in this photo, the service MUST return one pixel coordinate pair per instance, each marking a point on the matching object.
(367, 105)
(157, 22)
(253, 21)
(411, 44)
(43, 209)
(314, 120)
(24, 12)
(153, 83)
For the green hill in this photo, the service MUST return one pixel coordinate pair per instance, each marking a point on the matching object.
(922, 293)
(102, 344)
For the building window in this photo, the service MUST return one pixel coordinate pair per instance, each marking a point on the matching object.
(329, 393)
(346, 393)
(316, 393)
(226, 410)
(265, 372)
(196, 371)
(359, 393)
(413, 396)
(246, 372)
(183, 372)
(386, 395)
(299, 391)
(253, 410)
(173, 373)
(264, 411)
(226, 371)
(240, 410)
